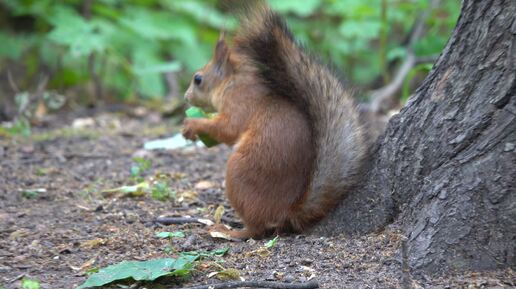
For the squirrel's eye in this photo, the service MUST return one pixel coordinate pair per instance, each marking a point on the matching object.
(197, 79)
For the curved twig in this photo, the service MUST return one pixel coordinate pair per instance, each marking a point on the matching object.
(176, 220)
(189, 220)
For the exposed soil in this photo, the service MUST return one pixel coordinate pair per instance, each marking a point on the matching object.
(58, 234)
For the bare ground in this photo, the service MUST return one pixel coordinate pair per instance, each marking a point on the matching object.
(58, 234)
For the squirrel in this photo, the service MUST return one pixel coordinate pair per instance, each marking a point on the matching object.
(299, 143)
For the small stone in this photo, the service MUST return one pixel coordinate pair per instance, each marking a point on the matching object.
(27, 149)
(142, 153)
(278, 275)
(306, 261)
(4, 269)
(189, 244)
(288, 279)
(139, 112)
(83, 122)
(131, 217)
(507, 148)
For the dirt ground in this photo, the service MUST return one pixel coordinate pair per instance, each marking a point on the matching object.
(56, 235)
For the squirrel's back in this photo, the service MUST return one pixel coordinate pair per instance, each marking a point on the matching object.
(340, 139)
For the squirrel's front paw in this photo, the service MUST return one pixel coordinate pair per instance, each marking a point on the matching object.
(189, 129)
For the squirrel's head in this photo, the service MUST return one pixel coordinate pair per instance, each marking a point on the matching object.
(210, 81)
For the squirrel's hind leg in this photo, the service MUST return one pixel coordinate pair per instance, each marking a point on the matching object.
(239, 235)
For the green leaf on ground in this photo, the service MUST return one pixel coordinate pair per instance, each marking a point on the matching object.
(29, 284)
(140, 166)
(271, 243)
(32, 193)
(161, 191)
(20, 127)
(218, 252)
(141, 270)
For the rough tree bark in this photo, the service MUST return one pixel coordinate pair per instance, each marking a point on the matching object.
(445, 169)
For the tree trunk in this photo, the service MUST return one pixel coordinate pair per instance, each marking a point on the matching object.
(445, 168)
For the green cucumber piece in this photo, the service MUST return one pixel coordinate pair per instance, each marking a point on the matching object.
(197, 112)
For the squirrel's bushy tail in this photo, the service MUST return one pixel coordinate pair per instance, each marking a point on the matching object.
(339, 137)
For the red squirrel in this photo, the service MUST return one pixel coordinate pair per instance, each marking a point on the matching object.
(298, 143)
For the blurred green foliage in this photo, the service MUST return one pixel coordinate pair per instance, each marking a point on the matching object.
(130, 44)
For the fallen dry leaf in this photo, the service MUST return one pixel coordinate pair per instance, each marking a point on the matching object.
(309, 272)
(262, 252)
(63, 248)
(90, 244)
(188, 197)
(41, 110)
(278, 275)
(225, 275)
(219, 212)
(86, 265)
(204, 185)
(21, 233)
(176, 176)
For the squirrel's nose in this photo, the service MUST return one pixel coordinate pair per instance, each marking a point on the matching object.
(188, 94)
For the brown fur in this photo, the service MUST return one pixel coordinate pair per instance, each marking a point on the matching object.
(270, 169)
(299, 145)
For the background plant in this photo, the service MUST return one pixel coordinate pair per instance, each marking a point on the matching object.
(148, 49)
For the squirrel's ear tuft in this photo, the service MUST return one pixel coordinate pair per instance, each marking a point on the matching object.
(222, 35)
(222, 53)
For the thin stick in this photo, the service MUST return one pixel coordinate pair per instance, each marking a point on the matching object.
(13, 85)
(258, 284)
(189, 220)
(384, 98)
(176, 220)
